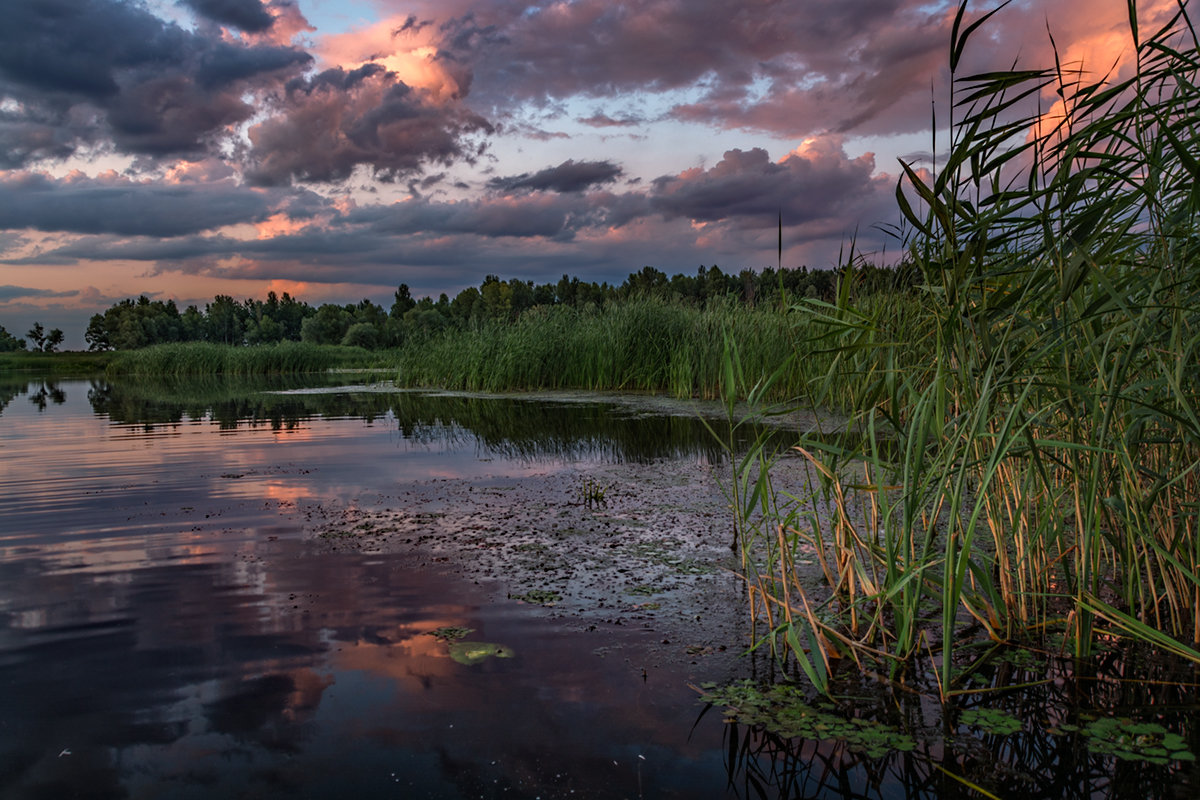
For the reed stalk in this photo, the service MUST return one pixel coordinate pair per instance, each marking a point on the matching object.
(1029, 443)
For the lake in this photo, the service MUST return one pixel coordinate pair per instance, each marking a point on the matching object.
(176, 618)
(311, 589)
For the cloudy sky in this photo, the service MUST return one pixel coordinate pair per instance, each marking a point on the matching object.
(337, 148)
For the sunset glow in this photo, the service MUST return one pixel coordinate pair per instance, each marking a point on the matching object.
(346, 148)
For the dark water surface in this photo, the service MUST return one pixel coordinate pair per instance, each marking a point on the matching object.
(168, 630)
(173, 625)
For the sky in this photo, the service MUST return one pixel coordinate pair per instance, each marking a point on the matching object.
(335, 149)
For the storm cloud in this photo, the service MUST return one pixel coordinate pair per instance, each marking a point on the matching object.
(249, 15)
(815, 181)
(569, 176)
(87, 70)
(116, 205)
(337, 120)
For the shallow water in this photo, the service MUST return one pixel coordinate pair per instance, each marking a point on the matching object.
(169, 627)
(176, 622)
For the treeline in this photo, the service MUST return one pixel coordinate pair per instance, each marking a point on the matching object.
(132, 324)
(40, 340)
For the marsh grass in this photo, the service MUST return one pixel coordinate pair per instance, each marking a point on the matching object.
(204, 358)
(643, 344)
(64, 363)
(1026, 455)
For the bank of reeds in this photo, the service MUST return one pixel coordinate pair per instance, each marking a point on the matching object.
(70, 362)
(205, 358)
(1031, 469)
(644, 344)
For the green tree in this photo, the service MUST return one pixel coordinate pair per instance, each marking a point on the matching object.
(225, 320)
(361, 334)
(53, 340)
(9, 343)
(37, 336)
(327, 326)
(466, 305)
(404, 301)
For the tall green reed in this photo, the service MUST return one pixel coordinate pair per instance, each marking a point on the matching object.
(205, 358)
(1026, 448)
(642, 344)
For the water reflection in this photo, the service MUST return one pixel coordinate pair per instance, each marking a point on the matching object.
(168, 627)
(508, 427)
(292, 671)
(1059, 745)
(42, 393)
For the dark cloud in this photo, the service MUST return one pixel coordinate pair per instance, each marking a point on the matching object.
(249, 15)
(84, 70)
(128, 208)
(748, 189)
(26, 138)
(601, 120)
(776, 65)
(569, 176)
(226, 64)
(337, 120)
(9, 293)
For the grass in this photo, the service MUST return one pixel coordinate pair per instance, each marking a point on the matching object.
(1026, 453)
(203, 358)
(643, 344)
(65, 363)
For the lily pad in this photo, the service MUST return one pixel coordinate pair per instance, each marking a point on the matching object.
(783, 710)
(451, 633)
(1130, 740)
(991, 720)
(474, 652)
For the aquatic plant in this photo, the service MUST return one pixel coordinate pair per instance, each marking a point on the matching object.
(540, 597)
(451, 633)
(1025, 454)
(471, 653)
(783, 710)
(641, 344)
(591, 492)
(205, 358)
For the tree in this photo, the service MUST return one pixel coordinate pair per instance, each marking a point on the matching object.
(8, 342)
(37, 337)
(53, 340)
(226, 320)
(361, 334)
(96, 335)
(404, 301)
(327, 326)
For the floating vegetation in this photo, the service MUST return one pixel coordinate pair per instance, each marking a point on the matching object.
(470, 653)
(451, 633)
(990, 720)
(643, 589)
(783, 710)
(1049, 726)
(1131, 741)
(541, 597)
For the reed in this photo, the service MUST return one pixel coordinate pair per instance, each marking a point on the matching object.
(59, 363)
(205, 358)
(1026, 453)
(642, 344)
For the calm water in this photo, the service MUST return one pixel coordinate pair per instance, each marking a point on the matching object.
(170, 627)
(167, 629)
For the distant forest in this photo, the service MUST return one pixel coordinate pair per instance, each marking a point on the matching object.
(131, 324)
